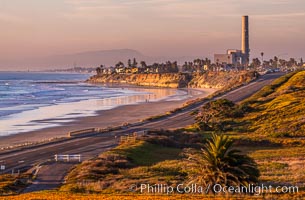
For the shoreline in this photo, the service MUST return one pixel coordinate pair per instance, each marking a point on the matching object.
(104, 118)
(53, 115)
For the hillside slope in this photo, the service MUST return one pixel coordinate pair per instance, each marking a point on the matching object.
(280, 108)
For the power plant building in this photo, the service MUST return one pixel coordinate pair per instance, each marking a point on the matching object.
(237, 57)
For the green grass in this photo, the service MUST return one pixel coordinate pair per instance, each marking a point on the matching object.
(273, 131)
(129, 163)
(269, 89)
(281, 121)
(280, 165)
(147, 154)
(278, 110)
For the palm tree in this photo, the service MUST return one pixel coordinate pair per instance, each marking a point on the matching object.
(129, 63)
(134, 63)
(98, 71)
(119, 64)
(143, 64)
(219, 163)
(262, 55)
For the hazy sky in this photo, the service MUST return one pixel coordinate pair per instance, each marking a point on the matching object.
(154, 27)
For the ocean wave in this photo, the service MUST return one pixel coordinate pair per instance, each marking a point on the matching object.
(25, 103)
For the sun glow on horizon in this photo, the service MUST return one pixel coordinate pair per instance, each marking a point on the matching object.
(36, 28)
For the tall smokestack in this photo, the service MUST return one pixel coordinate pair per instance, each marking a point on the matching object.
(245, 37)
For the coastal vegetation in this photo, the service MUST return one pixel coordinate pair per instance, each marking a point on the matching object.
(219, 163)
(164, 157)
(274, 150)
(264, 134)
(269, 127)
(55, 195)
(12, 184)
(275, 112)
(199, 65)
(155, 158)
(280, 114)
(134, 68)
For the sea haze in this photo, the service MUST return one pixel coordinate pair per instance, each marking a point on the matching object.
(32, 101)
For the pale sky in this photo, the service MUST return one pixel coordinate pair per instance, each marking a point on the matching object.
(31, 28)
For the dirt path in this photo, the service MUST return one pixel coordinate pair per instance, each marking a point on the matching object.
(49, 177)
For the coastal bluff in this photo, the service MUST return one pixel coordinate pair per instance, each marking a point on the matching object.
(208, 79)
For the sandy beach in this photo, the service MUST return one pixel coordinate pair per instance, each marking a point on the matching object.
(103, 119)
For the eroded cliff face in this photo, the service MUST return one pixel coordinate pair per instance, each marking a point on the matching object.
(178, 80)
(221, 79)
(171, 80)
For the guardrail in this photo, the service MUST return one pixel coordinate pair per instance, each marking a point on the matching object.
(132, 138)
(141, 133)
(127, 139)
(67, 157)
(92, 130)
(80, 132)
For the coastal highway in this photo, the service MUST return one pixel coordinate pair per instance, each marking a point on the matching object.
(183, 118)
(90, 146)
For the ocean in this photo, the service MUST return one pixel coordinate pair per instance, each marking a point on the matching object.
(32, 101)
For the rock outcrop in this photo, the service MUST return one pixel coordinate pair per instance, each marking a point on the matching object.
(178, 80)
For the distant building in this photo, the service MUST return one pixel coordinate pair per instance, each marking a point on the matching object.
(237, 57)
(232, 57)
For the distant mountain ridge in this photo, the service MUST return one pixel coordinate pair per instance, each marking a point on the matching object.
(96, 58)
(81, 59)
(86, 59)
